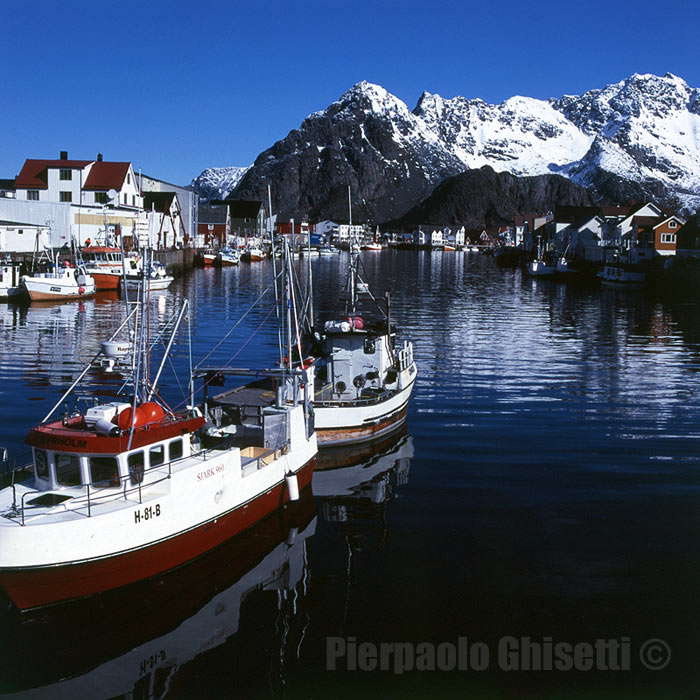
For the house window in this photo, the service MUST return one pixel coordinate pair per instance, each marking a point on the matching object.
(100, 198)
(128, 178)
(668, 237)
(65, 174)
(133, 200)
(672, 224)
(65, 196)
(20, 231)
(33, 195)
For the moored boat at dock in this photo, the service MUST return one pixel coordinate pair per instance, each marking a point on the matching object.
(130, 488)
(59, 283)
(363, 381)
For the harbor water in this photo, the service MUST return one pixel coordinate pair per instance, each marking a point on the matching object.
(545, 492)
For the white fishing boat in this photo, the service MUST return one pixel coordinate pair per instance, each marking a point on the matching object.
(228, 257)
(127, 489)
(363, 380)
(622, 275)
(142, 268)
(10, 280)
(539, 268)
(564, 267)
(253, 254)
(59, 282)
(326, 251)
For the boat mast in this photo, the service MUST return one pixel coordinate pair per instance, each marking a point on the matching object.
(274, 272)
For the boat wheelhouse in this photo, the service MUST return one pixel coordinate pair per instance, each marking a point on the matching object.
(104, 264)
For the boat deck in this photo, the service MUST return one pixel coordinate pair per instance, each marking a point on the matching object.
(259, 394)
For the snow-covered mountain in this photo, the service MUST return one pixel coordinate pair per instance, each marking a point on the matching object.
(637, 139)
(218, 183)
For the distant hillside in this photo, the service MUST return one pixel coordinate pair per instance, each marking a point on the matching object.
(483, 198)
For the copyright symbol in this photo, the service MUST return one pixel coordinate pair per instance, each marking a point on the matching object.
(655, 654)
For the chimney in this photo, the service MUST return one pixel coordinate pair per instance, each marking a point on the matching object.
(64, 155)
(99, 157)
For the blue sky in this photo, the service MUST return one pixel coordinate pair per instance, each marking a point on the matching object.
(176, 87)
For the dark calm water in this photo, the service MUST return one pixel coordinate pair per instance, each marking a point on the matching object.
(546, 487)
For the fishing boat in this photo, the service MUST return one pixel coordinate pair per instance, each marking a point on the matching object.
(539, 267)
(228, 257)
(104, 265)
(209, 257)
(449, 248)
(622, 275)
(59, 282)
(142, 269)
(363, 380)
(253, 254)
(123, 490)
(325, 251)
(10, 280)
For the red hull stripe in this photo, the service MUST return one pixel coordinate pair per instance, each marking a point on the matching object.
(30, 588)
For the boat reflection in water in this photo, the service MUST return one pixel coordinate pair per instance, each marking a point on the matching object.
(151, 638)
(361, 475)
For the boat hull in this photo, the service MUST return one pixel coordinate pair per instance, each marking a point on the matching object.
(340, 425)
(33, 587)
(53, 292)
(105, 281)
(154, 284)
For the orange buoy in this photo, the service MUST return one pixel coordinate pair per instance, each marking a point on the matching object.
(125, 418)
(152, 412)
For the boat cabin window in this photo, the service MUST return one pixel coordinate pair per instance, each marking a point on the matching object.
(369, 346)
(156, 455)
(104, 472)
(41, 461)
(175, 449)
(136, 466)
(67, 469)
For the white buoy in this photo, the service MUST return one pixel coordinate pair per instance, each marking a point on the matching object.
(292, 486)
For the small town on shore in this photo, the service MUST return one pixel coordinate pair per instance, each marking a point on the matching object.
(55, 209)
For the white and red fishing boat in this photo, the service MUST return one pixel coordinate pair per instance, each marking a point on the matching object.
(127, 489)
(253, 254)
(104, 265)
(209, 257)
(363, 380)
(59, 283)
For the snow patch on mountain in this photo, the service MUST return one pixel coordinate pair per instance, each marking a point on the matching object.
(218, 183)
